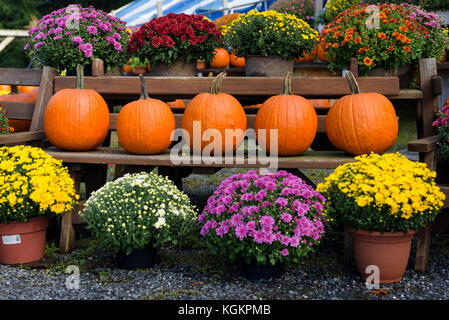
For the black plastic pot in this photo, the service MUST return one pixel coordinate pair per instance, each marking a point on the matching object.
(138, 259)
(262, 271)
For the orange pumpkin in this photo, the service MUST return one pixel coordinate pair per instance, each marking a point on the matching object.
(178, 103)
(320, 103)
(5, 89)
(221, 58)
(217, 111)
(446, 102)
(76, 119)
(238, 62)
(127, 68)
(306, 57)
(361, 123)
(18, 125)
(25, 89)
(253, 106)
(321, 53)
(293, 116)
(145, 126)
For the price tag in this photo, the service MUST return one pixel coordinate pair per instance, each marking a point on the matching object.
(11, 239)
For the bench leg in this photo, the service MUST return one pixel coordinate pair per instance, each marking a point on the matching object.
(423, 248)
(67, 238)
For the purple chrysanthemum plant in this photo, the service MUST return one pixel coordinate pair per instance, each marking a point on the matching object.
(75, 35)
(268, 219)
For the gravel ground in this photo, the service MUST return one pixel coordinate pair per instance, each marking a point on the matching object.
(190, 272)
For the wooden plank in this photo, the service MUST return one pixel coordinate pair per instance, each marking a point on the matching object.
(423, 248)
(23, 77)
(238, 86)
(45, 93)
(308, 160)
(429, 102)
(250, 118)
(5, 43)
(18, 110)
(67, 238)
(423, 145)
(22, 137)
(13, 33)
(407, 94)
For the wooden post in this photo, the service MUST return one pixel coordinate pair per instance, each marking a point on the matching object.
(45, 93)
(429, 103)
(354, 67)
(97, 68)
(67, 239)
(159, 8)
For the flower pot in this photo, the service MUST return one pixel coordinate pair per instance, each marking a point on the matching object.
(140, 70)
(201, 65)
(258, 66)
(388, 251)
(23, 242)
(404, 72)
(262, 271)
(139, 258)
(178, 69)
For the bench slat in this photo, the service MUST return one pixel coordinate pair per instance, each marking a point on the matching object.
(188, 87)
(23, 77)
(21, 137)
(427, 144)
(19, 110)
(310, 159)
(251, 120)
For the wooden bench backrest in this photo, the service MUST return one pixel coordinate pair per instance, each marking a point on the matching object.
(29, 77)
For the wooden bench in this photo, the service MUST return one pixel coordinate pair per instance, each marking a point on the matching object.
(28, 111)
(119, 90)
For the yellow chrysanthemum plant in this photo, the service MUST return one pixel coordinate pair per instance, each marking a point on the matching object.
(270, 33)
(387, 193)
(33, 184)
(139, 210)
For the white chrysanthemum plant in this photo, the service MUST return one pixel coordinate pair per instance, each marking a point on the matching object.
(139, 210)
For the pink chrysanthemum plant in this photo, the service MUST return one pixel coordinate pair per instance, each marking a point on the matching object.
(268, 219)
(75, 35)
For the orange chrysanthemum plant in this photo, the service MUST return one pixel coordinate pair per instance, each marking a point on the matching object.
(392, 40)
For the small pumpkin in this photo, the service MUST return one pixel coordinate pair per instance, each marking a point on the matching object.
(218, 111)
(18, 125)
(446, 102)
(238, 62)
(221, 58)
(25, 89)
(178, 103)
(76, 119)
(292, 116)
(127, 68)
(5, 89)
(320, 103)
(145, 126)
(361, 123)
(306, 57)
(253, 106)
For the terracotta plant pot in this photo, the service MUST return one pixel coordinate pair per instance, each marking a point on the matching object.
(258, 66)
(23, 242)
(140, 70)
(201, 65)
(388, 251)
(178, 69)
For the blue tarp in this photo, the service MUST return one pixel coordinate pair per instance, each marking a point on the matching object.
(139, 12)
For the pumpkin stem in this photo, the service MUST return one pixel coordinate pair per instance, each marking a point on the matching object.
(80, 76)
(143, 88)
(353, 85)
(287, 88)
(215, 88)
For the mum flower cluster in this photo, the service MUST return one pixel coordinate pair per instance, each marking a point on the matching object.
(270, 33)
(226, 20)
(75, 35)
(4, 123)
(165, 39)
(263, 218)
(396, 40)
(32, 184)
(387, 193)
(303, 9)
(442, 126)
(335, 7)
(136, 210)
